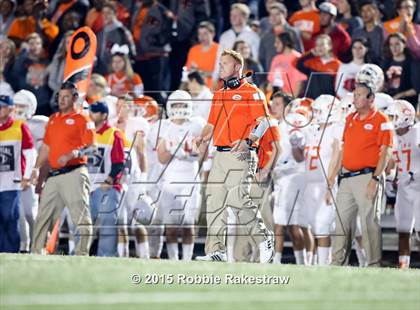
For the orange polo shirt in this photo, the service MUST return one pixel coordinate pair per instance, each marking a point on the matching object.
(234, 113)
(364, 138)
(65, 133)
(266, 147)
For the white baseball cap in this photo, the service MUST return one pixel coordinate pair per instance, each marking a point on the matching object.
(329, 8)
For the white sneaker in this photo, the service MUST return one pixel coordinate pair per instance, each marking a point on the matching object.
(266, 250)
(213, 257)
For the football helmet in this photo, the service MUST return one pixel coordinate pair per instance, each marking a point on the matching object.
(179, 105)
(25, 104)
(144, 106)
(371, 76)
(405, 114)
(383, 101)
(326, 109)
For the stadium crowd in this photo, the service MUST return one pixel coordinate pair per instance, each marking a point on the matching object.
(153, 56)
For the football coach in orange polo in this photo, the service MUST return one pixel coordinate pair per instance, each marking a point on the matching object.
(69, 137)
(238, 119)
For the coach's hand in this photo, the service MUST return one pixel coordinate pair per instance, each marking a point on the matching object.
(328, 197)
(199, 146)
(34, 176)
(240, 150)
(66, 158)
(371, 189)
(25, 183)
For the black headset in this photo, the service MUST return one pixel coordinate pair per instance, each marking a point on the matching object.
(235, 82)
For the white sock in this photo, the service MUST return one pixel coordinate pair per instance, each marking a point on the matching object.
(300, 257)
(71, 247)
(122, 249)
(309, 258)
(324, 256)
(142, 250)
(187, 251)
(361, 254)
(404, 259)
(277, 258)
(172, 251)
(315, 259)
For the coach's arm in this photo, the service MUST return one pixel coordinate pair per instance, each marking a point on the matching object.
(202, 141)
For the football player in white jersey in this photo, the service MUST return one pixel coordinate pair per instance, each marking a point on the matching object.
(323, 143)
(180, 202)
(25, 107)
(288, 180)
(407, 160)
(136, 207)
(150, 111)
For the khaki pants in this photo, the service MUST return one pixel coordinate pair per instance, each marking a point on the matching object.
(244, 247)
(351, 200)
(229, 185)
(69, 190)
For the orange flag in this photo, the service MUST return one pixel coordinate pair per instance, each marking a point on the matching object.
(80, 59)
(52, 241)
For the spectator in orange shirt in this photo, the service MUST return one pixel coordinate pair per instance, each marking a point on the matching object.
(202, 56)
(306, 21)
(320, 66)
(34, 21)
(69, 137)
(123, 80)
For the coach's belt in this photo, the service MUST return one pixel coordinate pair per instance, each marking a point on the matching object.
(350, 174)
(229, 148)
(55, 172)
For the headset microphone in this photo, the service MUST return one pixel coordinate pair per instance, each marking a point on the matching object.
(236, 82)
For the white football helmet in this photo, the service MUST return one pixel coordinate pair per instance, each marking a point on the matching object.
(25, 104)
(405, 114)
(296, 120)
(346, 104)
(179, 105)
(383, 101)
(301, 106)
(144, 210)
(371, 76)
(326, 109)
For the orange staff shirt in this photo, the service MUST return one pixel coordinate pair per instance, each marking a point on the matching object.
(363, 139)
(266, 147)
(234, 113)
(65, 133)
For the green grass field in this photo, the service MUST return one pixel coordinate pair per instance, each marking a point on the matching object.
(65, 282)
